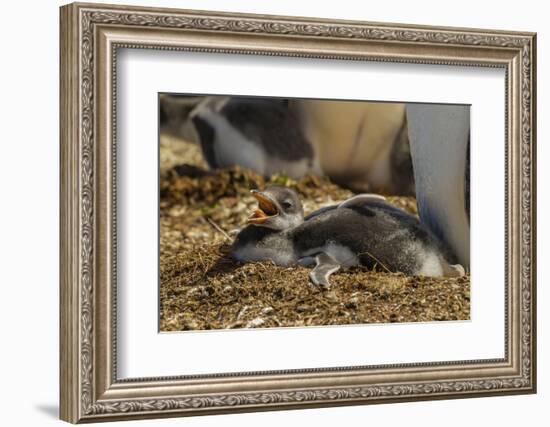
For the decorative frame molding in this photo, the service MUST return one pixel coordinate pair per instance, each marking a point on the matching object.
(90, 36)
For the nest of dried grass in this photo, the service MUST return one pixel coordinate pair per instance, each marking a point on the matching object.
(206, 290)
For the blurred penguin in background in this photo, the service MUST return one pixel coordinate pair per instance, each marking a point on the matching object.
(255, 133)
(361, 145)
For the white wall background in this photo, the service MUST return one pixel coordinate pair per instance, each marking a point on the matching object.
(29, 170)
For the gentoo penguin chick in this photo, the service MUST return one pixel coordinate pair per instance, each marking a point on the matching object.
(364, 230)
(258, 134)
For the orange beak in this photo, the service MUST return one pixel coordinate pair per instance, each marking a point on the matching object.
(266, 209)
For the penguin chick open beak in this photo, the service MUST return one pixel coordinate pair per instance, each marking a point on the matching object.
(267, 208)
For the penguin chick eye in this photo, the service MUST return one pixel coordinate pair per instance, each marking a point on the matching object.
(286, 205)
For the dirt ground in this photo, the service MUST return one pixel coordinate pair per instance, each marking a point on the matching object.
(202, 288)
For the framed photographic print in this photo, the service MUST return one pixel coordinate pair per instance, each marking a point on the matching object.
(266, 212)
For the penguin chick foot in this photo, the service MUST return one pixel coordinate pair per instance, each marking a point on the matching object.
(453, 270)
(326, 265)
(458, 270)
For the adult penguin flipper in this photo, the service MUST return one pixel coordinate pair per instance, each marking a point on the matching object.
(326, 265)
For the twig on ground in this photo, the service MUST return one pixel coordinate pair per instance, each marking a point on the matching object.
(218, 228)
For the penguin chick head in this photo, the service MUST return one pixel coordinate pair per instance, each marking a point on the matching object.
(279, 208)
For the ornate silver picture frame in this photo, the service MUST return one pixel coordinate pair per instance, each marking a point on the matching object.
(91, 35)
